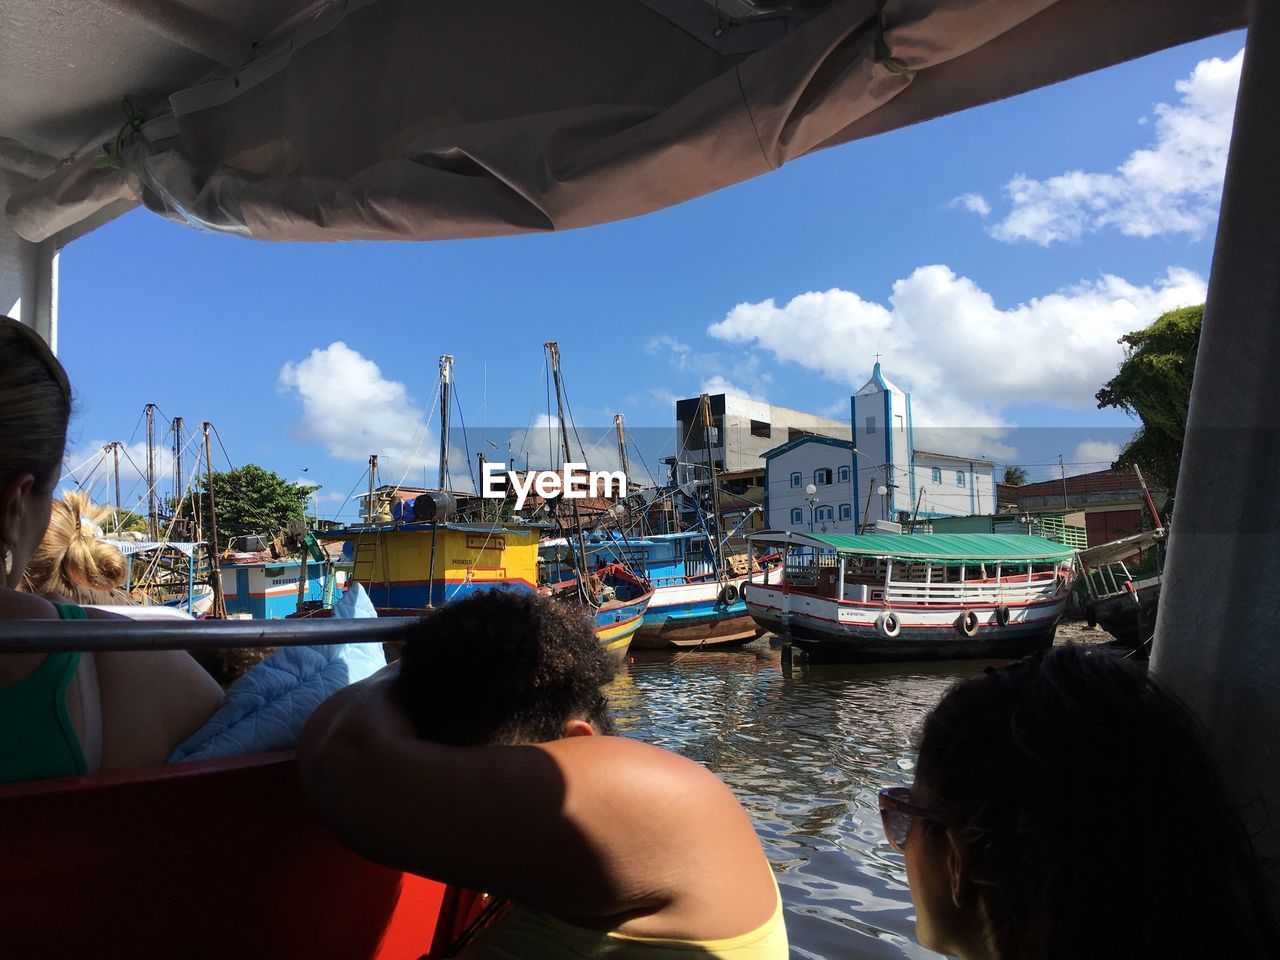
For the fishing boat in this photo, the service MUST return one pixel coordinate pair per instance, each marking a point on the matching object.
(615, 596)
(905, 597)
(1122, 586)
(417, 554)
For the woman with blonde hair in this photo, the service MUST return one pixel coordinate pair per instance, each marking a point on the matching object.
(64, 713)
(72, 560)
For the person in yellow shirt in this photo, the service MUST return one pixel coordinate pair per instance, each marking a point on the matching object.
(485, 758)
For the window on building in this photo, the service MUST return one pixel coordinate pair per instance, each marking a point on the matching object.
(824, 513)
(761, 429)
(796, 478)
(898, 422)
(797, 515)
(937, 474)
(959, 478)
(845, 511)
(871, 424)
(844, 474)
(822, 477)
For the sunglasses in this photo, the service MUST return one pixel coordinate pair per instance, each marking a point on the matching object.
(897, 812)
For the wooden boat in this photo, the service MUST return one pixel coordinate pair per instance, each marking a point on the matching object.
(1120, 599)
(615, 599)
(905, 597)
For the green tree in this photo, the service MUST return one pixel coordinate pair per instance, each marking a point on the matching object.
(251, 500)
(1154, 384)
(1014, 476)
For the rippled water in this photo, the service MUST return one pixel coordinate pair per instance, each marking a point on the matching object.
(806, 753)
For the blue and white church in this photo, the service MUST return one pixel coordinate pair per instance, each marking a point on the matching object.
(837, 486)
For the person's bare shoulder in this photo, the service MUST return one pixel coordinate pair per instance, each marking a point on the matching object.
(16, 605)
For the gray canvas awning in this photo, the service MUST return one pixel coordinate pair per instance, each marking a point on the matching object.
(409, 119)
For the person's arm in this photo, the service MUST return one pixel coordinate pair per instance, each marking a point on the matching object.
(151, 701)
(585, 827)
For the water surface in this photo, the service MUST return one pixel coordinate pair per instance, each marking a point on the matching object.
(806, 753)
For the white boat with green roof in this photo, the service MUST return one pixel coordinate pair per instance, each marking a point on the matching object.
(891, 596)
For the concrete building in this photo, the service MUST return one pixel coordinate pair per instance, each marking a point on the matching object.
(741, 432)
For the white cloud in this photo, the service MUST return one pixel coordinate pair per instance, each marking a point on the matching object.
(1171, 187)
(1093, 455)
(964, 358)
(674, 349)
(973, 202)
(718, 384)
(350, 408)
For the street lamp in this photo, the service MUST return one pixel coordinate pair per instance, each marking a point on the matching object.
(885, 487)
(884, 509)
(811, 495)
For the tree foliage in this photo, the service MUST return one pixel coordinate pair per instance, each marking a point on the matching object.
(251, 500)
(1154, 384)
(1014, 476)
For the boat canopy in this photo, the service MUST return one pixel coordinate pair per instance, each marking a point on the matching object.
(1121, 549)
(946, 549)
(402, 120)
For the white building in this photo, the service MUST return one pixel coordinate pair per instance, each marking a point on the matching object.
(880, 476)
(810, 461)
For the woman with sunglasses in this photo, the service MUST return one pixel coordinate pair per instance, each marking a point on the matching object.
(1066, 807)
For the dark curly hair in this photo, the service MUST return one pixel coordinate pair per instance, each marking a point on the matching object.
(503, 667)
(1094, 816)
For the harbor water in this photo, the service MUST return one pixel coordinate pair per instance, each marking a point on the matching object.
(806, 751)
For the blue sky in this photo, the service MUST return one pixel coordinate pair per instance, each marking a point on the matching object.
(1003, 324)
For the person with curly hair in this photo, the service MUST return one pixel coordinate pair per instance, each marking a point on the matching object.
(1066, 807)
(485, 758)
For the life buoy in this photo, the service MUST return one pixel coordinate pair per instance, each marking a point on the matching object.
(729, 594)
(967, 623)
(888, 625)
(1002, 615)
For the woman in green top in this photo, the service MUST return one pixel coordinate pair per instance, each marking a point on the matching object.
(66, 713)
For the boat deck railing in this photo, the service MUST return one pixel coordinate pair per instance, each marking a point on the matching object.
(985, 591)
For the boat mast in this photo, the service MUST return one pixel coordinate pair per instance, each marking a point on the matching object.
(371, 514)
(150, 411)
(215, 568)
(115, 455)
(580, 561)
(446, 377)
(704, 408)
(619, 426)
(177, 468)
(1146, 495)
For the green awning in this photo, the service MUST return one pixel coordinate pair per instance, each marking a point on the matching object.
(940, 548)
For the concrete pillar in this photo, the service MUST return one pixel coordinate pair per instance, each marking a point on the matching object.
(1218, 640)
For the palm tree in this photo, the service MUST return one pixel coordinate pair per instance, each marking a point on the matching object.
(1015, 476)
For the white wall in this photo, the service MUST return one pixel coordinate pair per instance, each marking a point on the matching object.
(783, 497)
(948, 498)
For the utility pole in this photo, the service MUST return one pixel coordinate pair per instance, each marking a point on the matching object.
(446, 377)
(152, 532)
(1062, 468)
(215, 566)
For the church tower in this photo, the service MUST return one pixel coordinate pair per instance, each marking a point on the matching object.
(883, 450)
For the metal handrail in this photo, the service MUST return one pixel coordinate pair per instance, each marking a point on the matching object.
(94, 636)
